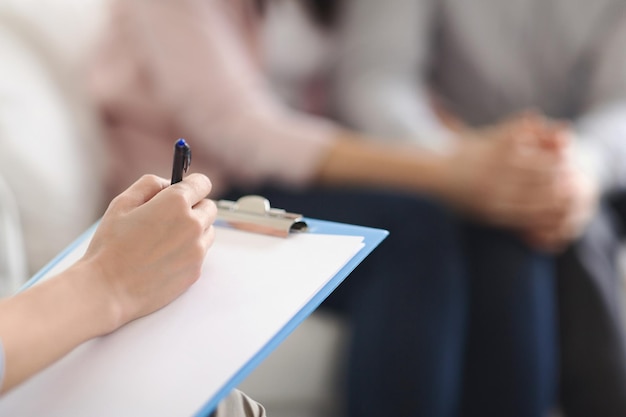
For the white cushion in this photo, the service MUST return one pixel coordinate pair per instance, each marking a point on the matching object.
(50, 153)
(12, 257)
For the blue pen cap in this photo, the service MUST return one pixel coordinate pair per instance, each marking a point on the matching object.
(182, 144)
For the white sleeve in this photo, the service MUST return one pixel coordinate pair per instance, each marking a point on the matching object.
(601, 144)
(602, 129)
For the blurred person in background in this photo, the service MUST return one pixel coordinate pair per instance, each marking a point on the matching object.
(194, 68)
(422, 71)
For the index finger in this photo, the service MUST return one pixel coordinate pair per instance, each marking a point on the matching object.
(141, 191)
(194, 188)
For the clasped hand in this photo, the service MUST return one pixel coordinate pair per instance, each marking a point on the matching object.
(521, 174)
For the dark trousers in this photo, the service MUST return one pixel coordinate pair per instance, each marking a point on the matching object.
(447, 318)
(591, 315)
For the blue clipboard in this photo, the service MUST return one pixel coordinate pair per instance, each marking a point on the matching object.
(371, 239)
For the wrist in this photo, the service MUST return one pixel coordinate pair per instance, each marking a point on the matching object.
(447, 176)
(101, 308)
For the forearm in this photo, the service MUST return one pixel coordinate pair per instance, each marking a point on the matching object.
(45, 322)
(359, 162)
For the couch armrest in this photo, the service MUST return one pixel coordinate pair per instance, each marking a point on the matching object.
(51, 156)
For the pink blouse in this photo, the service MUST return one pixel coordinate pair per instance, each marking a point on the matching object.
(185, 68)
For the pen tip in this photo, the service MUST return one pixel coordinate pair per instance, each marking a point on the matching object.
(181, 142)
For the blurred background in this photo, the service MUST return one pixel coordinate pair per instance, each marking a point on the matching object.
(54, 161)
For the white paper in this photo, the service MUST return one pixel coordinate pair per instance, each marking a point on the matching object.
(172, 362)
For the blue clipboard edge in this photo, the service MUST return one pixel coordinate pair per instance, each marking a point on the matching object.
(371, 238)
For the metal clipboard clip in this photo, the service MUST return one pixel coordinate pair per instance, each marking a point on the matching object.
(253, 213)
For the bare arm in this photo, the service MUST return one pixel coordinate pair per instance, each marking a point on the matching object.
(354, 160)
(147, 250)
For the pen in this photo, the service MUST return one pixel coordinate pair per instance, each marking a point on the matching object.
(182, 160)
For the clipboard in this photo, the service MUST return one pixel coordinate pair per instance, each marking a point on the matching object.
(91, 380)
(255, 214)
